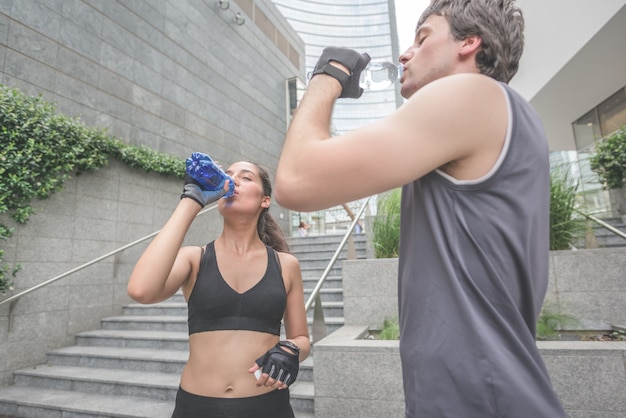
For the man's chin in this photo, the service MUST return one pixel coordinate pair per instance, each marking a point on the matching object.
(406, 92)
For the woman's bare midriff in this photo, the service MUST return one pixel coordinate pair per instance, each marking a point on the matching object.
(219, 362)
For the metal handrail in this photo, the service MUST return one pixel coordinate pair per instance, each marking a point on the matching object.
(89, 263)
(602, 223)
(319, 326)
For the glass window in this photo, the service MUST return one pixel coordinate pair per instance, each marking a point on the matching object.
(612, 113)
(601, 121)
(587, 130)
(295, 91)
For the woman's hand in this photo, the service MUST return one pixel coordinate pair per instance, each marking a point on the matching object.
(278, 367)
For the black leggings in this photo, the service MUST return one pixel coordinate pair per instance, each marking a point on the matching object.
(273, 404)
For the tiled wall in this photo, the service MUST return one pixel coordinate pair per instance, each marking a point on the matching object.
(174, 75)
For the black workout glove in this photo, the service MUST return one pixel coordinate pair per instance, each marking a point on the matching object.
(280, 364)
(350, 59)
(195, 191)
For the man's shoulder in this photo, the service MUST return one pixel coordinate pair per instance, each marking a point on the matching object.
(470, 79)
(471, 88)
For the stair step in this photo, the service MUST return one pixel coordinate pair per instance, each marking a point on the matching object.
(164, 340)
(332, 239)
(326, 295)
(131, 367)
(302, 396)
(35, 401)
(115, 382)
(331, 282)
(24, 401)
(324, 257)
(316, 272)
(332, 324)
(160, 309)
(608, 239)
(140, 359)
(332, 309)
(147, 323)
(306, 370)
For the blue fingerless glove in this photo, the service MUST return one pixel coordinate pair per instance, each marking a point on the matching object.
(195, 191)
(280, 364)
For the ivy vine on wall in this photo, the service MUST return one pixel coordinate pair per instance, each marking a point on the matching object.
(40, 149)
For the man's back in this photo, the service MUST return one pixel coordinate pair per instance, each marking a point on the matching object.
(472, 278)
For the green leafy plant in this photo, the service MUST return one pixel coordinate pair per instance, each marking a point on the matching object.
(40, 149)
(609, 159)
(386, 226)
(617, 335)
(565, 227)
(390, 329)
(147, 159)
(551, 322)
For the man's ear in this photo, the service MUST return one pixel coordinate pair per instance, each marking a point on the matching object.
(470, 46)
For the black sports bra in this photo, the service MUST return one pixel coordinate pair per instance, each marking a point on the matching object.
(213, 305)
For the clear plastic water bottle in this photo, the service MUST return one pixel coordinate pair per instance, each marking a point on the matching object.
(379, 75)
(203, 169)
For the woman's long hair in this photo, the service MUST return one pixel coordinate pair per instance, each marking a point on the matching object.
(269, 231)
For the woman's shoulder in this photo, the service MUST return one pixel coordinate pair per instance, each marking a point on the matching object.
(193, 254)
(287, 259)
(192, 250)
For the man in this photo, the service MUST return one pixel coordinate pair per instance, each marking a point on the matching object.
(472, 159)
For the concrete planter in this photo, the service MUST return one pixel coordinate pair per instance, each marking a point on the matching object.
(355, 377)
(618, 201)
(360, 377)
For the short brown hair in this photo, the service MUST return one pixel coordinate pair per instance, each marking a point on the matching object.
(498, 23)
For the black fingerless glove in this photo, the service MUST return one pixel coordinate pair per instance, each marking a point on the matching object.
(280, 364)
(350, 59)
(195, 191)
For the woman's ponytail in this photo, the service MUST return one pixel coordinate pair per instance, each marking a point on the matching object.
(269, 231)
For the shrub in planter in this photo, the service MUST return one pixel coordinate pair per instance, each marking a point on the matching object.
(608, 161)
(386, 225)
(549, 324)
(390, 329)
(565, 227)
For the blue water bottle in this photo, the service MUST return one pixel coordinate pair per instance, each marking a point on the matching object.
(203, 169)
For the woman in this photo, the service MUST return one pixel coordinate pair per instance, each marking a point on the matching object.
(303, 229)
(238, 288)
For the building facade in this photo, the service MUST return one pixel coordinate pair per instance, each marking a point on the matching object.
(573, 71)
(174, 75)
(366, 26)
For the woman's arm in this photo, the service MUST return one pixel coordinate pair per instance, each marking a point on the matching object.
(164, 266)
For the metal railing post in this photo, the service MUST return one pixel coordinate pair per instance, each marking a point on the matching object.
(319, 324)
(602, 223)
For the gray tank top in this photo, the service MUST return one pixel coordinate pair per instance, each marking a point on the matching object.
(473, 273)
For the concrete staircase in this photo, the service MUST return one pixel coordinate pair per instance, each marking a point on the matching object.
(607, 239)
(131, 366)
(314, 254)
